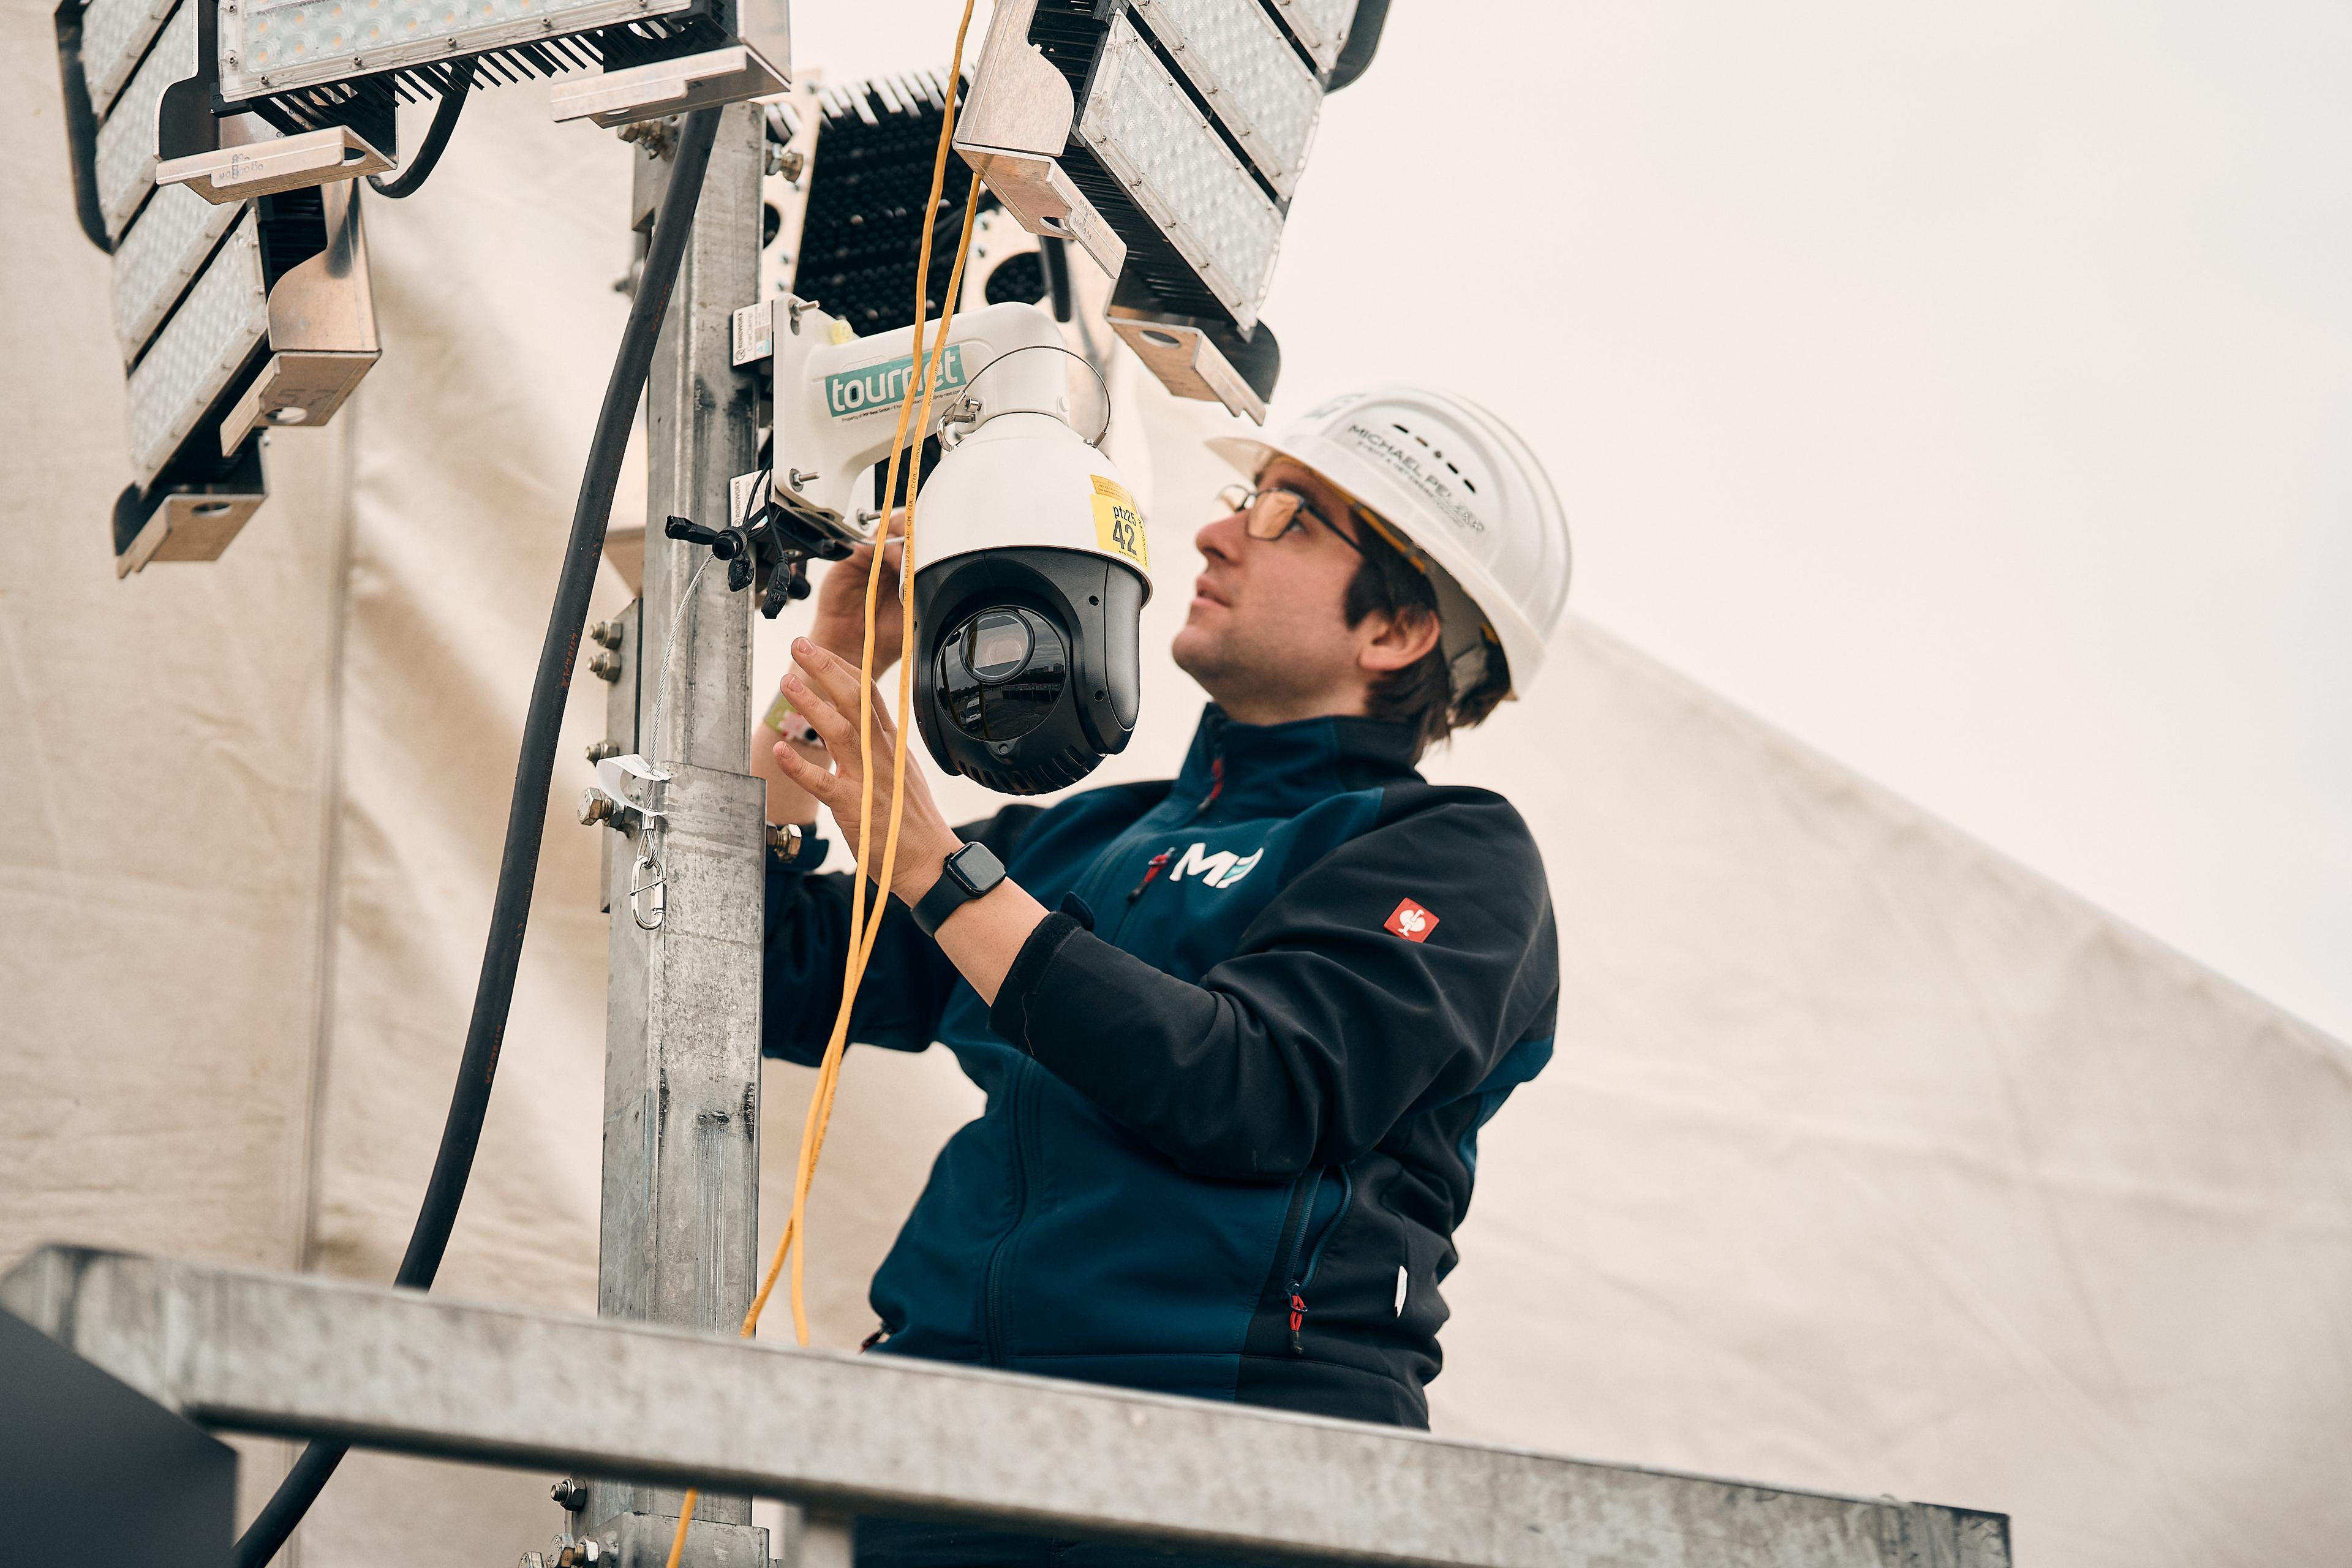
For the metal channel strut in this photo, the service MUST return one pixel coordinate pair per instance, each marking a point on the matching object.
(678, 1234)
(246, 1351)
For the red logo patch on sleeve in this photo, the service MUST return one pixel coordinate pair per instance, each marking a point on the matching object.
(1411, 921)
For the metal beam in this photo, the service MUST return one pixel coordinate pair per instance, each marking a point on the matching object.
(246, 1351)
(679, 1232)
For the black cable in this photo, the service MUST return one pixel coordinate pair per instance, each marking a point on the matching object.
(411, 178)
(527, 814)
(1056, 263)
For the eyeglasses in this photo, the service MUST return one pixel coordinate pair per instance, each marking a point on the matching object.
(1275, 511)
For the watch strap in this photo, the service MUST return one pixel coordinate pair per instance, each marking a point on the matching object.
(969, 873)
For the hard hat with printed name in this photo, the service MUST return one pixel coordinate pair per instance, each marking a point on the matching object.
(1465, 491)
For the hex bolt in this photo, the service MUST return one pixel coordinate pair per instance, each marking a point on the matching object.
(595, 806)
(599, 750)
(790, 163)
(605, 634)
(798, 479)
(568, 1495)
(606, 666)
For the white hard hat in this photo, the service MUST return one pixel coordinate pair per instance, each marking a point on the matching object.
(1457, 483)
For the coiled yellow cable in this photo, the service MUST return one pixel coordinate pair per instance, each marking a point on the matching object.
(862, 930)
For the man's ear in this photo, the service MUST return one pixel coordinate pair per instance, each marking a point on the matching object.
(1396, 639)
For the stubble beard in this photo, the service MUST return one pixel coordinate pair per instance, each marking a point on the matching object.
(1236, 675)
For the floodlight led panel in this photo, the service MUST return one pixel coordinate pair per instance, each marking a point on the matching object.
(1321, 25)
(1249, 75)
(269, 46)
(126, 143)
(211, 338)
(157, 257)
(1174, 166)
(114, 33)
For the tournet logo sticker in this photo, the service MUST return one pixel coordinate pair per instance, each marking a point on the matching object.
(848, 392)
(1411, 921)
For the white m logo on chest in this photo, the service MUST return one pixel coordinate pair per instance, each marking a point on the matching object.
(1221, 869)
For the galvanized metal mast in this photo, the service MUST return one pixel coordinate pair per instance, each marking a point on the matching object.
(679, 1233)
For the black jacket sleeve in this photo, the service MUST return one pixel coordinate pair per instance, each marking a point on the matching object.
(1324, 1028)
(907, 981)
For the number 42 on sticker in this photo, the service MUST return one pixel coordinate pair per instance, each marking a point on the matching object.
(1118, 526)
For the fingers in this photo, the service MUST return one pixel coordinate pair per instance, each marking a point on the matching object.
(839, 734)
(833, 678)
(828, 787)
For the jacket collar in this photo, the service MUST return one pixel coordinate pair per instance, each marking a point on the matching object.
(1279, 769)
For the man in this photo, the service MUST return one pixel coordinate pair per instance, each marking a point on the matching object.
(1238, 1030)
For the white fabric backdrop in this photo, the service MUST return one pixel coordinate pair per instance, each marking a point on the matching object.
(1868, 1161)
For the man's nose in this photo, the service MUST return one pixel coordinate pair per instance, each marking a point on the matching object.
(1221, 539)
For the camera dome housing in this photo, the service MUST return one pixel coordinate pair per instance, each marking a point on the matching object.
(1032, 573)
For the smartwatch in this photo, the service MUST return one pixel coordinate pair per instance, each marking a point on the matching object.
(969, 872)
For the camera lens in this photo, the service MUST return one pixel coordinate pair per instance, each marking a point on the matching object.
(1001, 673)
(997, 645)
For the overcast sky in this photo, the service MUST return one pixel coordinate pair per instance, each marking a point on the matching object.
(1965, 389)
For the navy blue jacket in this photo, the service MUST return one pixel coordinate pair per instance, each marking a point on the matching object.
(1234, 1086)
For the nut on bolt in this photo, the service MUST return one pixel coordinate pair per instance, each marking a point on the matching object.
(605, 634)
(568, 1494)
(599, 750)
(606, 666)
(595, 806)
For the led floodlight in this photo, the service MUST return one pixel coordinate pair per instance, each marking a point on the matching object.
(1166, 137)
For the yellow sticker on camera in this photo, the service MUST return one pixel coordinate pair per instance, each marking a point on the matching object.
(1118, 526)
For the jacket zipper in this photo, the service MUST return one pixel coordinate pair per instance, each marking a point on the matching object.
(1294, 1240)
(1300, 1275)
(1159, 863)
(993, 1311)
(1216, 786)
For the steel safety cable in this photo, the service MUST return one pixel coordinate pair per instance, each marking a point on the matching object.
(461, 1132)
(922, 375)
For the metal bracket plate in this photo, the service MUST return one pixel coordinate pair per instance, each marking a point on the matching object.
(287, 164)
(668, 87)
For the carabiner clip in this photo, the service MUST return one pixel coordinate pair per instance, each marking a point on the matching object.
(639, 886)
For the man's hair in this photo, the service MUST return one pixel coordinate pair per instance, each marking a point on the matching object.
(1420, 694)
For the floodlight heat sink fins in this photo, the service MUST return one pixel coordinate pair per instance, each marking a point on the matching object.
(867, 174)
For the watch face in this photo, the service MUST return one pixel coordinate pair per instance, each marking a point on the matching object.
(975, 869)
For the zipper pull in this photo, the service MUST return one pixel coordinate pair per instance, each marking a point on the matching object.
(1298, 1318)
(1216, 786)
(1149, 871)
